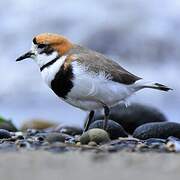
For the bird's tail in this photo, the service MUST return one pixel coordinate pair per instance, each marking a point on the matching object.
(141, 84)
(157, 86)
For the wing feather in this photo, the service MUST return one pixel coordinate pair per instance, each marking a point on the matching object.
(97, 62)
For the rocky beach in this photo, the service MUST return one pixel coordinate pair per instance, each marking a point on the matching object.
(43, 150)
(41, 137)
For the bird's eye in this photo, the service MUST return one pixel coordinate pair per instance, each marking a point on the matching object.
(41, 45)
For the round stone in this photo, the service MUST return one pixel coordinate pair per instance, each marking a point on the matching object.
(114, 129)
(97, 135)
(55, 137)
(132, 116)
(4, 134)
(161, 130)
(92, 143)
(70, 130)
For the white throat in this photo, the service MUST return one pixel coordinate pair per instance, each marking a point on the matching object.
(42, 59)
(49, 72)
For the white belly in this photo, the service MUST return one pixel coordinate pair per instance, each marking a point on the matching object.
(91, 91)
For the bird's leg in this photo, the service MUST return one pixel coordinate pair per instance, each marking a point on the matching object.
(88, 122)
(106, 116)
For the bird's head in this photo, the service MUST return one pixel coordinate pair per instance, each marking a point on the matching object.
(46, 47)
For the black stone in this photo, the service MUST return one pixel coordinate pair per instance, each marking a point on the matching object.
(132, 116)
(114, 129)
(4, 134)
(161, 130)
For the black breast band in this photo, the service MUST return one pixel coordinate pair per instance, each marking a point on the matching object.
(63, 81)
(49, 63)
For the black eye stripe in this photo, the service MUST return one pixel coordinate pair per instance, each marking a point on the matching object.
(47, 50)
(34, 40)
(41, 45)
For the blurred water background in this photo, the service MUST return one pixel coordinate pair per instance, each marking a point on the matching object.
(143, 36)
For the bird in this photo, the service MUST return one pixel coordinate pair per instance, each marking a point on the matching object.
(82, 77)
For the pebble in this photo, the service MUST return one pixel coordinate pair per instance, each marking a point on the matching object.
(4, 134)
(55, 137)
(132, 116)
(97, 135)
(70, 130)
(150, 137)
(128, 144)
(32, 132)
(41, 136)
(114, 129)
(161, 130)
(173, 144)
(92, 143)
(23, 144)
(78, 143)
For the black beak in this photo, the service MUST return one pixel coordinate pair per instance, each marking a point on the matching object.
(25, 56)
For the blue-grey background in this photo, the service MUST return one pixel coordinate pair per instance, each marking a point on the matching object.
(143, 36)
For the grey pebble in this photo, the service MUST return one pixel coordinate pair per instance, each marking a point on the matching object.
(70, 130)
(55, 137)
(114, 129)
(97, 135)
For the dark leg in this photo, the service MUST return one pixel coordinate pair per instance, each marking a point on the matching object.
(106, 116)
(88, 122)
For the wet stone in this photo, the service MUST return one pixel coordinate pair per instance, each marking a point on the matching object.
(156, 144)
(40, 136)
(94, 140)
(97, 135)
(154, 141)
(4, 134)
(127, 144)
(32, 132)
(114, 129)
(132, 116)
(70, 130)
(23, 144)
(173, 144)
(55, 137)
(92, 143)
(161, 130)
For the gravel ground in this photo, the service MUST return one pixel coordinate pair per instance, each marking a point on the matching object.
(88, 165)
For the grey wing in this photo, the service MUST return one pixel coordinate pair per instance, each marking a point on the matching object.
(96, 61)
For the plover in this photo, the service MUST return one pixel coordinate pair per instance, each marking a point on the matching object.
(81, 77)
